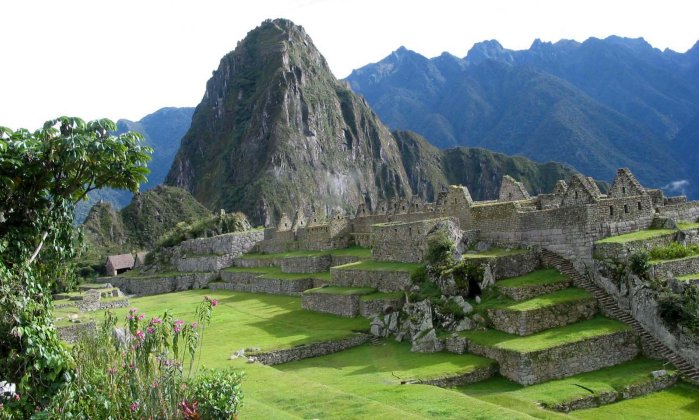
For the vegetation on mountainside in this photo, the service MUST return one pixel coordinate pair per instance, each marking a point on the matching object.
(43, 175)
(206, 227)
(673, 251)
(110, 232)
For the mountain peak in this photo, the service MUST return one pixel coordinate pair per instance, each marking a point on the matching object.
(488, 50)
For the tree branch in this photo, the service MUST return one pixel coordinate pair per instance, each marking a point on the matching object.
(38, 248)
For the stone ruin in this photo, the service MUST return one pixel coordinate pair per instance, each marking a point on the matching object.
(567, 221)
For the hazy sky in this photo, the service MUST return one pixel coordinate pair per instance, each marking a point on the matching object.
(128, 58)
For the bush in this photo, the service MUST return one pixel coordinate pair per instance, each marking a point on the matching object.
(673, 251)
(142, 373)
(216, 394)
(440, 249)
(682, 308)
(209, 226)
(639, 264)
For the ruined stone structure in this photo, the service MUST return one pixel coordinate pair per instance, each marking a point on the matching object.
(566, 221)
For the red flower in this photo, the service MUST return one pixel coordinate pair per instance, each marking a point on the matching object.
(134, 406)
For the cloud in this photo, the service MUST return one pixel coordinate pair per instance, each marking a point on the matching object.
(679, 186)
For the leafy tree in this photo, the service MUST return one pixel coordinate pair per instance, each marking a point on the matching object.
(42, 176)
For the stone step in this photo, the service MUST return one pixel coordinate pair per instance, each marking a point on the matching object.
(534, 284)
(342, 301)
(557, 352)
(610, 306)
(552, 310)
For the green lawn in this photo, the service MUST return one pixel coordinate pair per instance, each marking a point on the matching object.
(684, 225)
(562, 296)
(549, 338)
(688, 277)
(276, 273)
(244, 320)
(496, 252)
(613, 378)
(371, 265)
(535, 278)
(636, 236)
(679, 402)
(344, 291)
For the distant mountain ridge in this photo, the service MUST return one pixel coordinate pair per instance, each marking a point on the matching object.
(276, 132)
(162, 130)
(597, 105)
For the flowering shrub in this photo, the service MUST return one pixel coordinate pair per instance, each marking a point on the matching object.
(141, 371)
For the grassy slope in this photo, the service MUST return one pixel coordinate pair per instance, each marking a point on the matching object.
(371, 265)
(562, 296)
(546, 339)
(276, 273)
(535, 278)
(496, 252)
(636, 236)
(345, 291)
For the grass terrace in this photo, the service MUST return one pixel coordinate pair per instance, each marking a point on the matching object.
(354, 251)
(572, 294)
(684, 225)
(372, 265)
(553, 337)
(276, 273)
(535, 278)
(345, 291)
(496, 252)
(499, 390)
(688, 277)
(636, 236)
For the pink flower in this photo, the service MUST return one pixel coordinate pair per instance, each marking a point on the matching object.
(178, 325)
(214, 302)
(16, 397)
(194, 325)
(134, 406)
(156, 320)
(150, 330)
(140, 335)
(141, 316)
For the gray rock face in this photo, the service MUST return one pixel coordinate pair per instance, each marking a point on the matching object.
(421, 329)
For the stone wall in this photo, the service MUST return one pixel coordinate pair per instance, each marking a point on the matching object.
(405, 241)
(675, 268)
(310, 350)
(203, 263)
(156, 285)
(508, 266)
(530, 322)
(384, 281)
(525, 293)
(634, 296)
(652, 384)
(307, 264)
(477, 375)
(562, 361)
(256, 262)
(71, 333)
(253, 283)
(235, 244)
(369, 308)
(688, 211)
(341, 305)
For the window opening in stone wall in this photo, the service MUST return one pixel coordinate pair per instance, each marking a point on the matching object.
(576, 195)
(626, 208)
(640, 207)
(623, 190)
(410, 231)
(611, 210)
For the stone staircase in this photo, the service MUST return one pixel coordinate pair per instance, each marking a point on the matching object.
(611, 308)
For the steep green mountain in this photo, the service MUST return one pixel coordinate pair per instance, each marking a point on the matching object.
(139, 225)
(479, 169)
(596, 105)
(276, 131)
(162, 130)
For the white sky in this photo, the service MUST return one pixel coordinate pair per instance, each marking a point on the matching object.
(128, 58)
